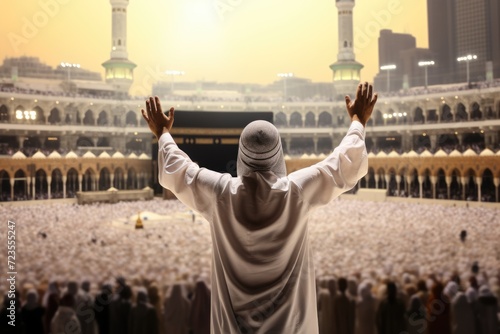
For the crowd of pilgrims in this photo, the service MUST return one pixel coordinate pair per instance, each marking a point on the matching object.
(386, 268)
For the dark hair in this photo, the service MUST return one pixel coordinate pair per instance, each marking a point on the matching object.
(392, 291)
(421, 285)
(473, 282)
(67, 300)
(475, 267)
(125, 292)
(342, 284)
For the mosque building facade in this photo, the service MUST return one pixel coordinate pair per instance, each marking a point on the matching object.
(439, 142)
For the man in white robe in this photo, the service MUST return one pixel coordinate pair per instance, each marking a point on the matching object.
(262, 269)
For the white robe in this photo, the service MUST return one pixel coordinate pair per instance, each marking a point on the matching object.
(262, 269)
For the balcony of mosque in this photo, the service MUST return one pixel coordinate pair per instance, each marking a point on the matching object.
(491, 125)
(23, 128)
(50, 96)
(448, 105)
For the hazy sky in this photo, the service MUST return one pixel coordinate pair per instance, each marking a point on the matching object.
(219, 40)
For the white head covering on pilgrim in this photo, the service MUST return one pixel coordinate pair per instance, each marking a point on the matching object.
(462, 315)
(260, 150)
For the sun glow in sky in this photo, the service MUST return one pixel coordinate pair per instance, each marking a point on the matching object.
(214, 40)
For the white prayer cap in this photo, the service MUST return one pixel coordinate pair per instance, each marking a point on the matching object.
(451, 289)
(260, 150)
(484, 291)
(471, 294)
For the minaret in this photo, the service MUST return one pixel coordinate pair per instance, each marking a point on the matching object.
(119, 70)
(346, 71)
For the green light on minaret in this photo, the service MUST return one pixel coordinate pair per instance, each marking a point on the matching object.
(346, 70)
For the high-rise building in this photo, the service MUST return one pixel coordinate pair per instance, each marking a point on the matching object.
(442, 41)
(390, 46)
(415, 75)
(459, 28)
(346, 70)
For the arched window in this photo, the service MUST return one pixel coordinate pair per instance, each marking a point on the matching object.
(132, 179)
(446, 115)
(371, 178)
(488, 187)
(88, 119)
(54, 116)
(403, 190)
(393, 185)
(88, 180)
(325, 119)
(4, 186)
(461, 114)
(296, 120)
(441, 186)
(119, 180)
(103, 118)
(418, 116)
(476, 113)
(310, 120)
(414, 184)
(39, 115)
(427, 185)
(131, 118)
(41, 185)
(489, 113)
(20, 186)
(56, 185)
(470, 186)
(280, 120)
(455, 186)
(72, 185)
(4, 113)
(104, 179)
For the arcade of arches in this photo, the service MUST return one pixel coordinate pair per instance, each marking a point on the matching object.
(458, 178)
(454, 178)
(27, 179)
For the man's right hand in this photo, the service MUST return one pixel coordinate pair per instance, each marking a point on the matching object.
(362, 107)
(158, 122)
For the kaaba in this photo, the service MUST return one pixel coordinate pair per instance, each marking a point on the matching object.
(210, 138)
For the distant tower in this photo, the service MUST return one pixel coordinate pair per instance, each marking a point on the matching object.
(346, 71)
(119, 70)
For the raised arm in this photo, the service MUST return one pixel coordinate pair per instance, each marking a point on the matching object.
(342, 169)
(194, 186)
